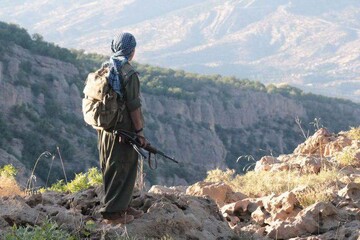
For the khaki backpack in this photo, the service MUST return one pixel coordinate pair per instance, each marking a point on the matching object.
(102, 107)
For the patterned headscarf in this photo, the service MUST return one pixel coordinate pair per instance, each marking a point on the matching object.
(122, 46)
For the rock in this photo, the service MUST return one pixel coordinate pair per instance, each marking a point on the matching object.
(303, 163)
(177, 215)
(259, 216)
(234, 197)
(351, 191)
(33, 200)
(281, 207)
(182, 217)
(350, 231)
(83, 201)
(216, 191)
(317, 218)
(336, 146)
(239, 207)
(232, 220)
(316, 143)
(14, 210)
(265, 163)
(157, 189)
(70, 219)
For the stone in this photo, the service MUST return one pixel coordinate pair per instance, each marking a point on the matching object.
(259, 216)
(199, 220)
(349, 231)
(317, 218)
(234, 197)
(265, 163)
(316, 143)
(351, 191)
(282, 207)
(236, 208)
(216, 191)
(14, 210)
(336, 146)
(157, 189)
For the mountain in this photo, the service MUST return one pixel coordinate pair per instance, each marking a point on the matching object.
(205, 122)
(314, 46)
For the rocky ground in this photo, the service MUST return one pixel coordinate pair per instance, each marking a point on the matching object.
(215, 210)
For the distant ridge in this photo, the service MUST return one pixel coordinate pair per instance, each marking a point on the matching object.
(311, 45)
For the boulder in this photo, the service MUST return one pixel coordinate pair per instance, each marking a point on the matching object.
(349, 231)
(221, 193)
(336, 146)
(316, 143)
(281, 207)
(259, 216)
(317, 218)
(245, 205)
(351, 192)
(14, 210)
(265, 163)
(181, 217)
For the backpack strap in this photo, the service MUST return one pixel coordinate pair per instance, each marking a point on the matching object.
(127, 70)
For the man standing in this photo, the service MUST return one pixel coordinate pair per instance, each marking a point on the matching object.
(118, 160)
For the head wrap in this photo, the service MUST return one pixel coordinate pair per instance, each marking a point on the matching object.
(123, 44)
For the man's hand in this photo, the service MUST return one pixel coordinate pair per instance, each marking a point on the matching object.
(136, 117)
(142, 139)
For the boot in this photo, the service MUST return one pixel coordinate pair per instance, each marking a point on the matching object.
(134, 212)
(118, 218)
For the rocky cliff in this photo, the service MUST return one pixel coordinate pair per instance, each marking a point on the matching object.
(40, 103)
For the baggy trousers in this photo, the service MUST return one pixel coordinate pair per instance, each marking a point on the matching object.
(118, 162)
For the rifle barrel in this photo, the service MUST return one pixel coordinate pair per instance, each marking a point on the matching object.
(133, 139)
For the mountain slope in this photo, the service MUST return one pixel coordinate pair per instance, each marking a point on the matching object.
(206, 122)
(314, 46)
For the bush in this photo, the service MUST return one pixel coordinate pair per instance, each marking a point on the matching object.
(25, 66)
(48, 230)
(81, 181)
(8, 171)
(354, 133)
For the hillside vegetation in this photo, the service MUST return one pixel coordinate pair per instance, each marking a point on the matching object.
(205, 121)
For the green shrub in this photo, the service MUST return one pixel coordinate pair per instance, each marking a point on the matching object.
(48, 230)
(81, 181)
(59, 186)
(8, 171)
(25, 66)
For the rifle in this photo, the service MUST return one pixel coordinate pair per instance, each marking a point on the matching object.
(133, 140)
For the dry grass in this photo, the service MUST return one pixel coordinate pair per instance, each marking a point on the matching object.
(312, 195)
(9, 187)
(354, 133)
(256, 184)
(346, 157)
